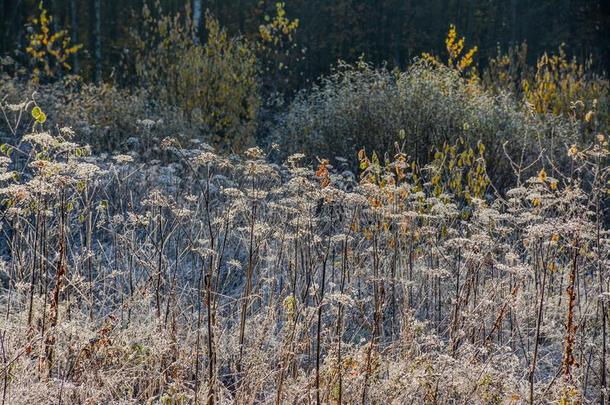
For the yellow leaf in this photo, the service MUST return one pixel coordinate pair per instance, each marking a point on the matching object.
(589, 116)
(36, 111)
(542, 175)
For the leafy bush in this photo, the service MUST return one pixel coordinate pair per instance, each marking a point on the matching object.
(343, 113)
(278, 53)
(110, 119)
(214, 83)
(359, 106)
(105, 117)
(48, 49)
(457, 58)
(556, 85)
(188, 90)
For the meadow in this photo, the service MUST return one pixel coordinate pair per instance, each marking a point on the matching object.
(436, 234)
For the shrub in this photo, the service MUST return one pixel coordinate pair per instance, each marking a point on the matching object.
(338, 116)
(457, 58)
(278, 53)
(48, 49)
(556, 85)
(214, 83)
(106, 117)
(111, 119)
(359, 106)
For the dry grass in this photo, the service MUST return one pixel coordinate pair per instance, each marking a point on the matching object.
(234, 280)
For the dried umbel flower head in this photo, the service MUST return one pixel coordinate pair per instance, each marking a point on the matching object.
(156, 198)
(146, 123)
(67, 132)
(16, 192)
(295, 159)
(181, 213)
(232, 192)
(205, 158)
(169, 142)
(44, 139)
(123, 159)
(83, 170)
(4, 162)
(254, 153)
(16, 107)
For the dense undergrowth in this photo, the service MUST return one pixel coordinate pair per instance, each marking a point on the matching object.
(232, 279)
(433, 235)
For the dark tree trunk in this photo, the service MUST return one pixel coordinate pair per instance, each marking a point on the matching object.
(74, 33)
(97, 39)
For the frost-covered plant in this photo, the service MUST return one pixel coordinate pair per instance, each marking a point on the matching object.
(230, 279)
(359, 106)
(106, 117)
